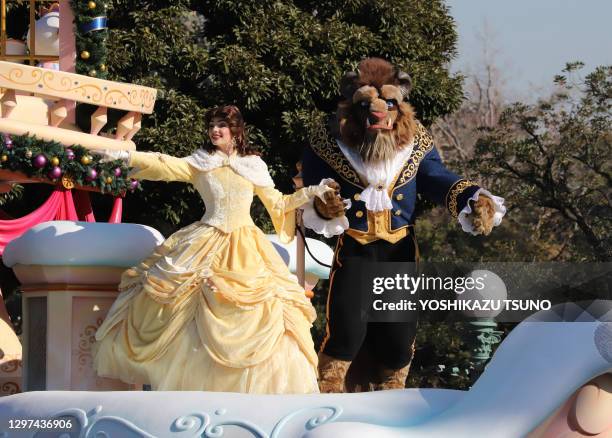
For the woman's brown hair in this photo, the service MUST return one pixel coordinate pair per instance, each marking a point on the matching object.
(231, 115)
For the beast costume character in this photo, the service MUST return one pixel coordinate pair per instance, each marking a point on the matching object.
(380, 158)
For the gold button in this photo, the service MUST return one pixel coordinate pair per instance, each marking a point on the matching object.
(356, 196)
(359, 214)
(399, 197)
(398, 212)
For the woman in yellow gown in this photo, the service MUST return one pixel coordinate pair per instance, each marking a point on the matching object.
(214, 307)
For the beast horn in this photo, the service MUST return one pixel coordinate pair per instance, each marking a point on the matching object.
(405, 83)
(347, 87)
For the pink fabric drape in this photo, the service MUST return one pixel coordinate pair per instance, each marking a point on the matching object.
(115, 217)
(59, 206)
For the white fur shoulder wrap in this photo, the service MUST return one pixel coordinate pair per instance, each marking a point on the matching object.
(250, 167)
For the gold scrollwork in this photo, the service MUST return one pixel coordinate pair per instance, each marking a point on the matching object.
(16, 73)
(451, 197)
(423, 143)
(323, 146)
(11, 366)
(91, 90)
(10, 388)
(86, 341)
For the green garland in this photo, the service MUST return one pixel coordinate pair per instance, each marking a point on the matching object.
(90, 46)
(75, 163)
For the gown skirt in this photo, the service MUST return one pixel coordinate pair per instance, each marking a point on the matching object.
(211, 311)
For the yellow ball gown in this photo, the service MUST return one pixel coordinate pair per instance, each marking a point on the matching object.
(214, 308)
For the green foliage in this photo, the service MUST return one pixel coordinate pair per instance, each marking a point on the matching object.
(280, 62)
(552, 161)
(93, 42)
(20, 158)
(16, 192)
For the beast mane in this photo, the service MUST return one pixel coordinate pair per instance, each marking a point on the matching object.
(379, 81)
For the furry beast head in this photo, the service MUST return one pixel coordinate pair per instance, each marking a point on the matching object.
(374, 117)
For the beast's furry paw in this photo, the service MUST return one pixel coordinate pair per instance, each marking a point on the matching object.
(333, 206)
(483, 214)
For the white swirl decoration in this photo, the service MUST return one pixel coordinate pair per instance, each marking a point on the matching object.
(197, 425)
(91, 426)
(217, 430)
(334, 413)
(188, 422)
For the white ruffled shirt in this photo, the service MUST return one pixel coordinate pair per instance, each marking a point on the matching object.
(379, 176)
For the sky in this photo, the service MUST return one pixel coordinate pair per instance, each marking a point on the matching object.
(532, 39)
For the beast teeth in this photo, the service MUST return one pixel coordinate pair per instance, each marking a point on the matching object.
(367, 122)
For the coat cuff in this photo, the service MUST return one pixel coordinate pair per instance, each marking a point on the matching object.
(465, 219)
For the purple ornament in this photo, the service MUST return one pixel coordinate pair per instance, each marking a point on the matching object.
(92, 174)
(55, 173)
(39, 161)
(133, 184)
(118, 172)
(8, 143)
(70, 154)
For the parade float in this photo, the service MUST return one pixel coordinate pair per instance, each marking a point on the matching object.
(551, 377)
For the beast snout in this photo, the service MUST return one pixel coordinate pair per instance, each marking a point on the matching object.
(378, 120)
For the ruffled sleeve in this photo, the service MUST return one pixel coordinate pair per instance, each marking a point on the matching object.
(154, 166)
(326, 227)
(281, 207)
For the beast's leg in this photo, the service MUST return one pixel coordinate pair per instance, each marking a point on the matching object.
(345, 330)
(393, 346)
(332, 373)
(388, 378)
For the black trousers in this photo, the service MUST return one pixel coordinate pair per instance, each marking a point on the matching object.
(390, 343)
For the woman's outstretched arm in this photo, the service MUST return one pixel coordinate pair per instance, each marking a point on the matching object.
(153, 166)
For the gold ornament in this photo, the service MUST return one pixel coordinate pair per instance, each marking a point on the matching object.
(28, 153)
(55, 161)
(67, 182)
(109, 180)
(85, 54)
(4, 158)
(85, 160)
(91, 5)
(102, 67)
(93, 73)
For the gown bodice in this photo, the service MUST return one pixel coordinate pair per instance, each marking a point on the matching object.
(227, 185)
(227, 197)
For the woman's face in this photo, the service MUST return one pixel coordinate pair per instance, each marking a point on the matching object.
(219, 132)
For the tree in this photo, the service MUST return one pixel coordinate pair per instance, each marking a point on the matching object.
(552, 160)
(279, 61)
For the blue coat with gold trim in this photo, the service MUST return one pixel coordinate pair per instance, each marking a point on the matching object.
(423, 173)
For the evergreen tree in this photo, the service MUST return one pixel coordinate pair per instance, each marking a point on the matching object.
(280, 62)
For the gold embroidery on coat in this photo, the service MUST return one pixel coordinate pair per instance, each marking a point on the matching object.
(451, 197)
